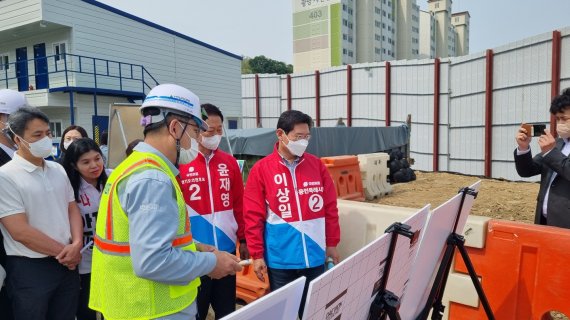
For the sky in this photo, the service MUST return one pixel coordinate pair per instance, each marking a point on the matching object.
(264, 27)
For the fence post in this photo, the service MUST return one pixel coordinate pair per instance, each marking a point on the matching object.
(257, 106)
(388, 94)
(488, 112)
(318, 98)
(289, 98)
(555, 82)
(349, 95)
(436, 98)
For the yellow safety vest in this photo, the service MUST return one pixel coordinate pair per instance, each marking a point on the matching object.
(116, 291)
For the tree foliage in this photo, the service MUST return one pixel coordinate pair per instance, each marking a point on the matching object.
(262, 64)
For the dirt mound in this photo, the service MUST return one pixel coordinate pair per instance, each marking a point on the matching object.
(499, 199)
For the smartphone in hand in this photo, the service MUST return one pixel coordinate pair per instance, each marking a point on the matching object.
(534, 130)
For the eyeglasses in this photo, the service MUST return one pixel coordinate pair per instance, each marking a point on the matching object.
(194, 127)
(302, 137)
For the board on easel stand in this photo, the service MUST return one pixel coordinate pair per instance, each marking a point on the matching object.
(349, 289)
(281, 304)
(124, 127)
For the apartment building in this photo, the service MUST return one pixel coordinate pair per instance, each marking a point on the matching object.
(328, 33)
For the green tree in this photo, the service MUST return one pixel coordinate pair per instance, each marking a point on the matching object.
(245, 68)
(262, 64)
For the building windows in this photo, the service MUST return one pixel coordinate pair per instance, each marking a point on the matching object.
(384, 13)
(350, 53)
(437, 5)
(344, 36)
(344, 51)
(55, 128)
(383, 38)
(377, 37)
(383, 25)
(350, 11)
(389, 28)
(389, 16)
(383, 50)
(4, 61)
(349, 39)
(377, 50)
(456, 19)
(377, 10)
(344, 7)
(350, 25)
(59, 49)
(232, 124)
(345, 22)
(389, 52)
(389, 3)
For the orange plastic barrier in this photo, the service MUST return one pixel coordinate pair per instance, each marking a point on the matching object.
(248, 287)
(523, 270)
(345, 172)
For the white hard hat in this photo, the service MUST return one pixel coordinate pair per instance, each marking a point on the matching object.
(11, 100)
(172, 98)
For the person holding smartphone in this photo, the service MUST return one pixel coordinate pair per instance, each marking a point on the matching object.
(551, 163)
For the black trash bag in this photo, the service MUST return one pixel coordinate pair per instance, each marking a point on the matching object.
(394, 166)
(396, 154)
(412, 174)
(399, 176)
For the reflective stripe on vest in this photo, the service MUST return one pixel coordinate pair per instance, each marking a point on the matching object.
(110, 246)
(124, 249)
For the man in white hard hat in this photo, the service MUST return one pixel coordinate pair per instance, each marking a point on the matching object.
(145, 264)
(10, 101)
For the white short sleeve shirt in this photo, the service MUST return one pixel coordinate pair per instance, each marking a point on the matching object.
(89, 198)
(42, 194)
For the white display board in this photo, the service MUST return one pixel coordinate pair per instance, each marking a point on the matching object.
(348, 289)
(281, 304)
(124, 127)
(432, 248)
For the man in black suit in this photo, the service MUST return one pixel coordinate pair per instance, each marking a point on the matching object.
(10, 101)
(552, 163)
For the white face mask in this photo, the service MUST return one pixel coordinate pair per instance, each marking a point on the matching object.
(41, 148)
(187, 155)
(66, 144)
(212, 142)
(297, 147)
(563, 130)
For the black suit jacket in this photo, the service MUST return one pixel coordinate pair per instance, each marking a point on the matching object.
(559, 195)
(4, 158)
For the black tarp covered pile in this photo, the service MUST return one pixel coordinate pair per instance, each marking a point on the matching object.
(325, 141)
